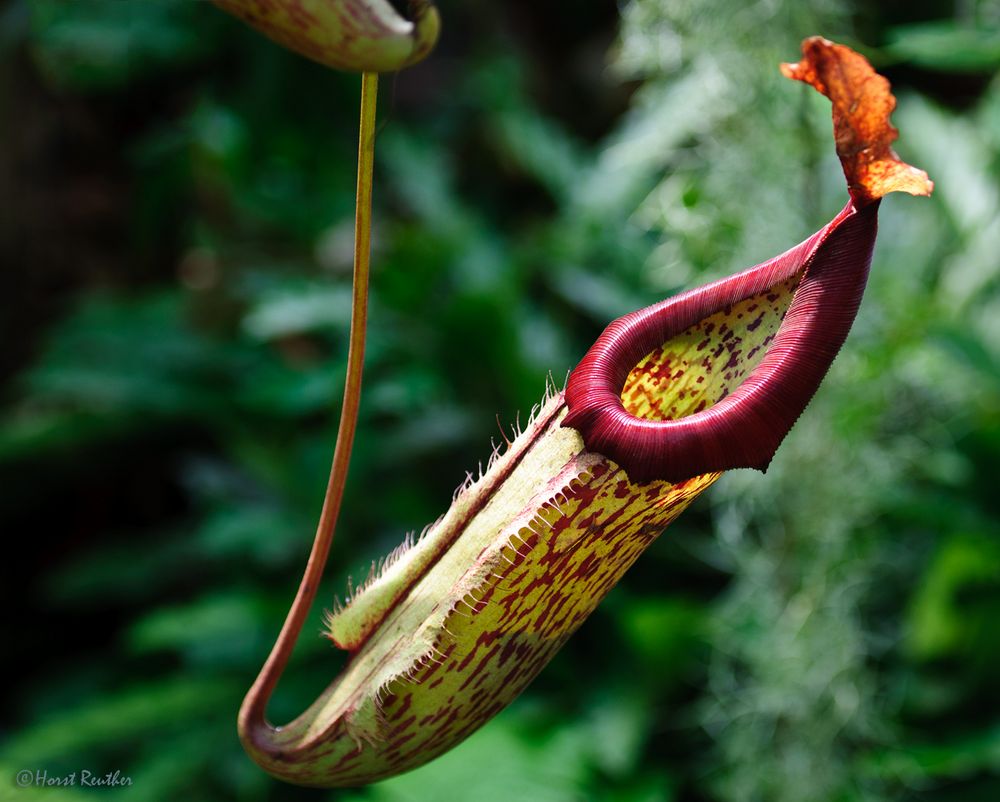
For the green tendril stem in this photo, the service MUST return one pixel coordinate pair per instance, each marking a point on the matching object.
(253, 724)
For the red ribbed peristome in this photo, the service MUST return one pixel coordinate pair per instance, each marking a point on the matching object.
(745, 428)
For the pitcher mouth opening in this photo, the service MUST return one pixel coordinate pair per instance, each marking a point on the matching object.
(410, 10)
(634, 400)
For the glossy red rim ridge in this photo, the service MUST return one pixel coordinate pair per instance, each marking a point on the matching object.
(744, 429)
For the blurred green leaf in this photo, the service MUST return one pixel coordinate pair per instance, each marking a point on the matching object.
(947, 45)
(106, 44)
(663, 632)
(107, 721)
(949, 759)
(955, 607)
(217, 630)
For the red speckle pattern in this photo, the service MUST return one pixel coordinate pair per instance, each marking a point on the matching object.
(547, 571)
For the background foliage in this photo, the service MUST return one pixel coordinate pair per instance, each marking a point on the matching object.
(175, 234)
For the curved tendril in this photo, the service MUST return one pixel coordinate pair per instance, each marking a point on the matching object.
(253, 725)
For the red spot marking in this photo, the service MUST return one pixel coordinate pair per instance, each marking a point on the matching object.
(756, 322)
(478, 669)
(401, 727)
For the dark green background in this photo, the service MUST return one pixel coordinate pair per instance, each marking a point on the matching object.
(175, 231)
